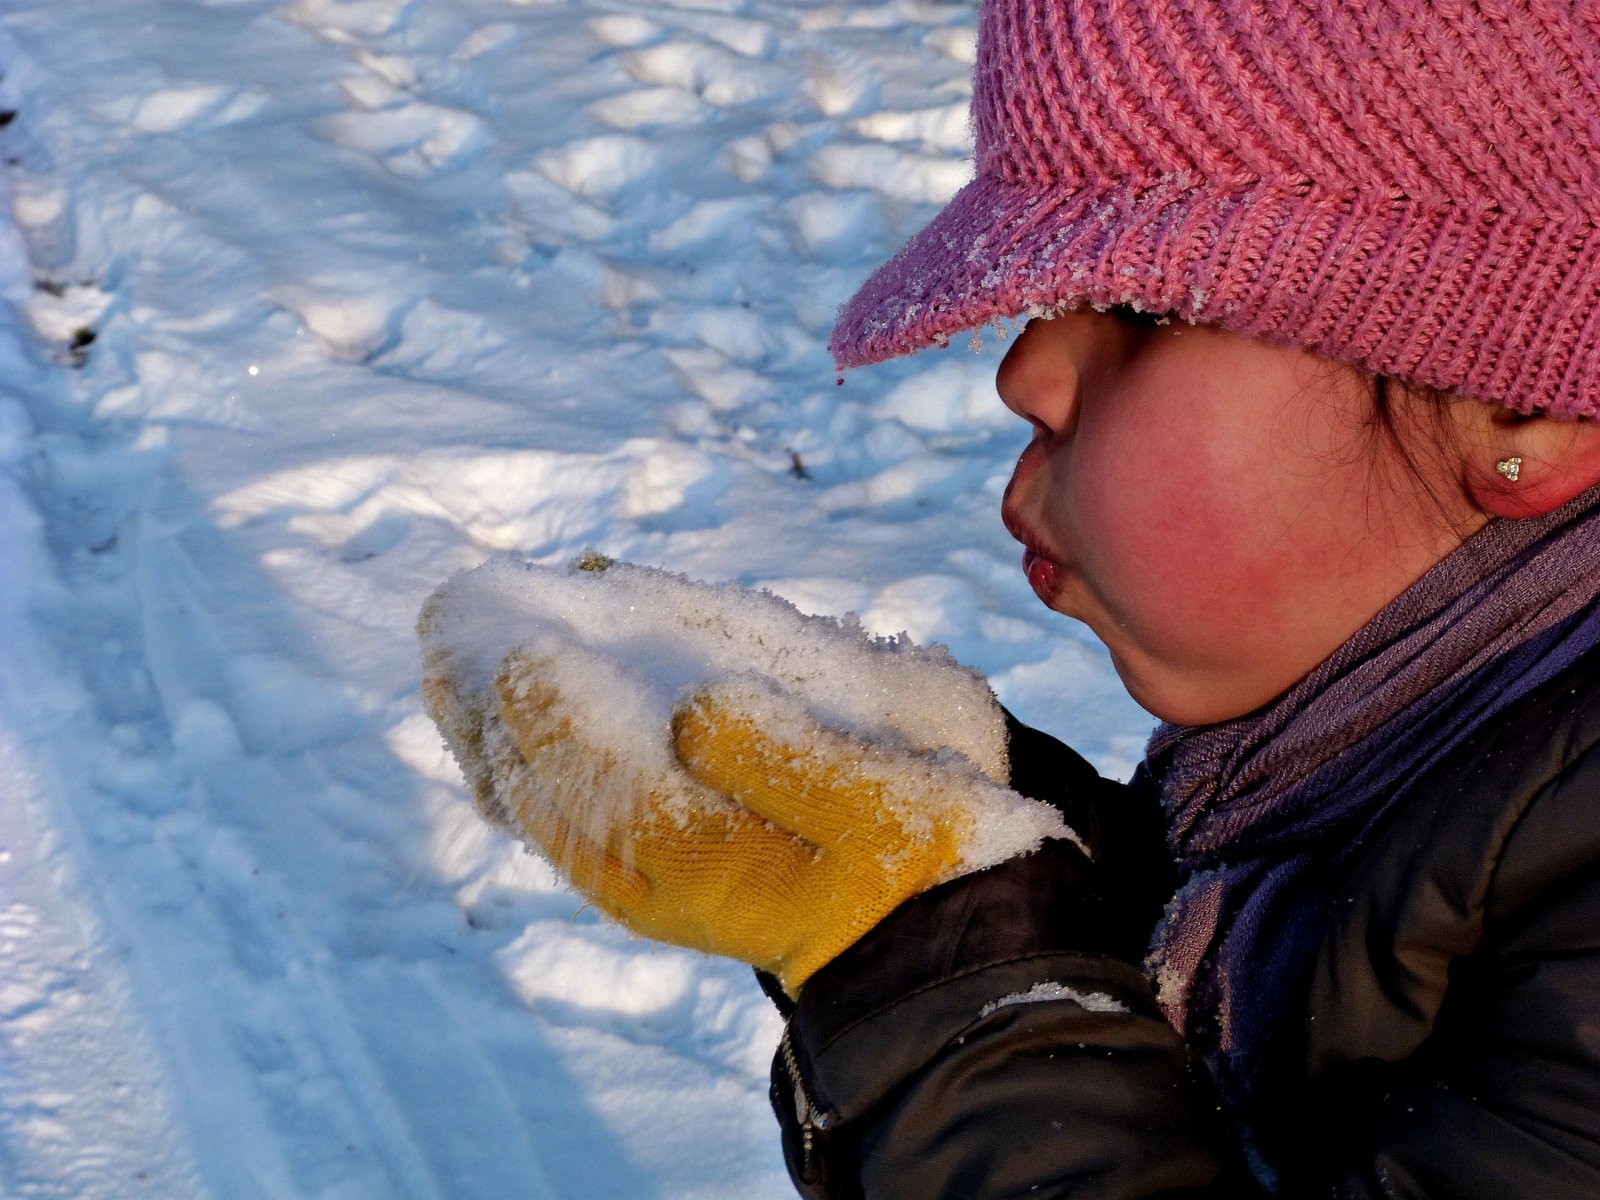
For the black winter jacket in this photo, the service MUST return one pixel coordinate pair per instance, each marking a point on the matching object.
(1446, 1042)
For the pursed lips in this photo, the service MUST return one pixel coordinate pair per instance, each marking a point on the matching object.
(1042, 567)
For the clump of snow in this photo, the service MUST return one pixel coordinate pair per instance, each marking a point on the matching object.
(1049, 990)
(604, 653)
(624, 29)
(911, 178)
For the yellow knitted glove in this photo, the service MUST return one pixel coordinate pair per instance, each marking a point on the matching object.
(776, 849)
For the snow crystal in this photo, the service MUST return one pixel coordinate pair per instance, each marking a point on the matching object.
(611, 649)
(1042, 993)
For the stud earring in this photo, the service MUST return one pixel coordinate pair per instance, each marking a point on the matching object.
(1511, 468)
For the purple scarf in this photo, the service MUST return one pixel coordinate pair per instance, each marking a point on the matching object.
(1264, 810)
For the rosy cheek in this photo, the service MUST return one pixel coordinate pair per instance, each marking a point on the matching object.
(1171, 552)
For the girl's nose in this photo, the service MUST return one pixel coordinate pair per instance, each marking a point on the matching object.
(1040, 377)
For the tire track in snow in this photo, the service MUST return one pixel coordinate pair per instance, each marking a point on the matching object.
(85, 1104)
(268, 1054)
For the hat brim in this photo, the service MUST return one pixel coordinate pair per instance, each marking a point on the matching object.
(998, 251)
(1285, 264)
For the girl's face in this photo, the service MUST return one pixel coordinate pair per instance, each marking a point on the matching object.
(1221, 512)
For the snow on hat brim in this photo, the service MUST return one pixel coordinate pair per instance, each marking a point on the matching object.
(1389, 287)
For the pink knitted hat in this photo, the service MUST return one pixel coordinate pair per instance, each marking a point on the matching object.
(1409, 186)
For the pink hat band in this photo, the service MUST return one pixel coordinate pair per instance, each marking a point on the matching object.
(1408, 186)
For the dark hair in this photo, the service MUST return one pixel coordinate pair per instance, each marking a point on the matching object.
(1439, 432)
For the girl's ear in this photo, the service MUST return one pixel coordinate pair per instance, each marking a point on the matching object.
(1527, 465)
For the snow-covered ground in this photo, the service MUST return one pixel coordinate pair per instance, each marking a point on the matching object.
(308, 304)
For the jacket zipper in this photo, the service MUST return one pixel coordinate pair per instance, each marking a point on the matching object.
(813, 1120)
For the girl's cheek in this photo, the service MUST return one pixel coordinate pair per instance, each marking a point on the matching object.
(1146, 510)
(1183, 547)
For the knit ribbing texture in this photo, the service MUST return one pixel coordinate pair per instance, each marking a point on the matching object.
(1408, 186)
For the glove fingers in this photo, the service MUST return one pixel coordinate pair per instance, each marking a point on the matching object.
(602, 877)
(665, 857)
(531, 705)
(586, 783)
(562, 790)
(625, 829)
(461, 720)
(817, 792)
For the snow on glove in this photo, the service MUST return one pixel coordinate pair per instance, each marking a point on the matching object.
(733, 821)
(801, 842)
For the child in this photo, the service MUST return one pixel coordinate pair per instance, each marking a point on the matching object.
(1335, 511)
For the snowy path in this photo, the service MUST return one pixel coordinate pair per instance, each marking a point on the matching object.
(312, 302)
